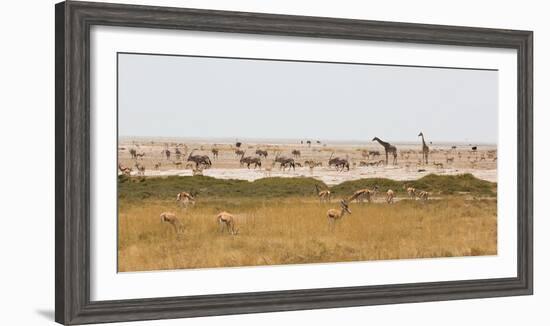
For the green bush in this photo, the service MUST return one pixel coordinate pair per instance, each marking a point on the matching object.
(134, 188)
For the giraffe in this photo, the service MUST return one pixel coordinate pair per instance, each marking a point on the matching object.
(389, 148)
(425, 148)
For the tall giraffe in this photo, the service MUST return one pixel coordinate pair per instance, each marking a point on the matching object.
(389, 148)
(425, 148)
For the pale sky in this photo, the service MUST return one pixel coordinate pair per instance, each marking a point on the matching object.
(178, 96)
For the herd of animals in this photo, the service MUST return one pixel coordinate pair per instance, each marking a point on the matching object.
(227, 221)
(198, 162)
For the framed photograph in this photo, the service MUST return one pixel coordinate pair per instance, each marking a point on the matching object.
(215, 162)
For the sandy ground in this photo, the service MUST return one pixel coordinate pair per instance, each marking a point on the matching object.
(443, 159)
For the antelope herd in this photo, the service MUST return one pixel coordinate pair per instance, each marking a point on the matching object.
(197, 161)
(177, 155)
(228, 222)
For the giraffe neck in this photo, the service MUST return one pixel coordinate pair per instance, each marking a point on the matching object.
(423, 142)
(383, 143)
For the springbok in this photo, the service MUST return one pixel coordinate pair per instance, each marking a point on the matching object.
(374, 153)
(269, 168)
(227, 221)
(324, 195)
(312, 165)
(411, 191)
(125, 170)
(423, 195)
(141, 169)
(197, 171)
(389, 196)
(333, 214)
(361, 194)
(186, 198)
(296, 153)
(172, 219)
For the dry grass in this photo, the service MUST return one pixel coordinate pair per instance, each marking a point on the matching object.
(295, 230)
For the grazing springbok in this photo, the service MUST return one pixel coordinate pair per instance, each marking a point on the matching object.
(312, 165)
(296, 153)
(374, 153)
(423, 195)
(411, 191)
(227, 221)
(324, 195)
(125, 170)
(361, 194)
(450, 160)
(438, 165)
(186, 198)
(389, 196)
(333, 214)
(172, 219)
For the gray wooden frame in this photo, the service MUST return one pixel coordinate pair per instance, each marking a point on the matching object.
(72, 180)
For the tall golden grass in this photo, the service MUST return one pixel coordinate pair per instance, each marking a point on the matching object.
(295, 231)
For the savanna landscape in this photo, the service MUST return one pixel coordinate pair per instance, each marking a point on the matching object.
(280, 214)
(230, 162)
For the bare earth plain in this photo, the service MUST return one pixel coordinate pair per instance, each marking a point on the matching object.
(279, 217)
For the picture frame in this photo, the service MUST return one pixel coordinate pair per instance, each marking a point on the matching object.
(73, 304)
